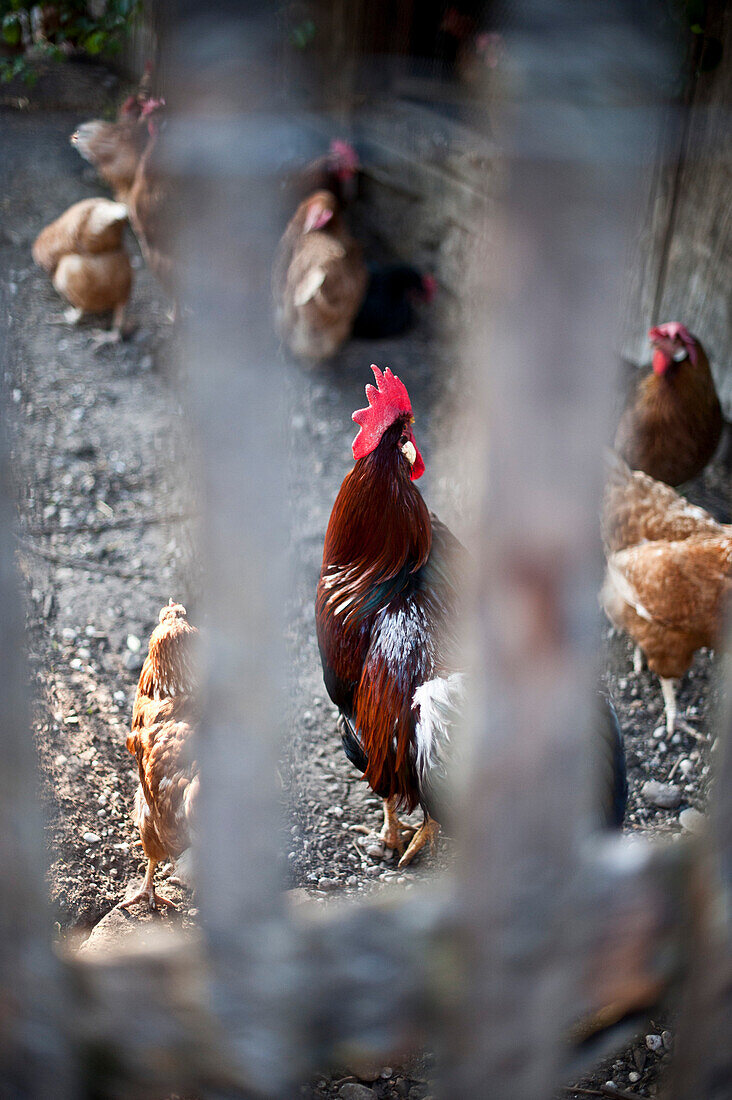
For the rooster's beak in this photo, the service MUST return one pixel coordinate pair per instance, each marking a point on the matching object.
(410, 452)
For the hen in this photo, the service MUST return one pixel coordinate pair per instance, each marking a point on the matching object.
(672, 422)
(85, 256)
(164, 718)
(386, 606)
(669, 573)
(319, 280)
(391, 295)
(148, 202)
(115, 148)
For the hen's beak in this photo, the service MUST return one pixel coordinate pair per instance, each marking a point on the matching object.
(410, 452)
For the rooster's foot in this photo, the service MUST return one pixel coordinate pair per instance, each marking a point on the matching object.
(394, 833)
(427, 833)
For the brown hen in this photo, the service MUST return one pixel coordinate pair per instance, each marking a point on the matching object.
(84, 253)
(164, 719)
(672, 423)
(319, 280)
(669, 573)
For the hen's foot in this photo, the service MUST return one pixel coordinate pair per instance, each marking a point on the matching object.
(70, 316)
(637, 660)
(427, 833)
(151, 896)
(101, 337)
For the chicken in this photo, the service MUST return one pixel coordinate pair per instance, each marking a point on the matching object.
(115, 148)
(84, 253)
(148, 203)
(669, 573)
(636, 509)
(388, 308)
(164, 718)
(319, 280)
(672, 422)
(386, 608)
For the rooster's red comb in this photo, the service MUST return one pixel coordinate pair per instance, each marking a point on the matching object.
(387, 401)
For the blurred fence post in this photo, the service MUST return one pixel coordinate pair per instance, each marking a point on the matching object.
(543, 375)
(34, 1058)
(226, 137)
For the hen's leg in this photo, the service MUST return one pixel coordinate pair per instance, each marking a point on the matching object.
(147, 891)
(391, 833)
(673, 722)
(427, 833)
(70, 316)
(637, 660)
(100, 336)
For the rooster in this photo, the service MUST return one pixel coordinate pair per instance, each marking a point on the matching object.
(164, 717)
(85, 256)
(672, 423)
(386, 608)
(115, 148)
(319, 279)
(669, 573)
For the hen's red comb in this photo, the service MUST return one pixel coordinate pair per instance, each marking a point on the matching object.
(674, 330)
(388, 400)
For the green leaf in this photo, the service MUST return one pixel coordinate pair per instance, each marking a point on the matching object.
(94, 43)
(11, 30)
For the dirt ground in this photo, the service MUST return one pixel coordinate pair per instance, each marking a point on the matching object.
(107, 533)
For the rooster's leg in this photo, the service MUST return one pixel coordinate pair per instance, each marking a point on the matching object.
(637, 660)
(391, 833)
(427, 833)
(147, 891)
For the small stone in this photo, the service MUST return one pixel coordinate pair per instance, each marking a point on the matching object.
(659, 733)
(354, 1091)
(133, 643)
(76, 664)
(662, 747)
(68, 634)
(668, 1039)
(633, 1076)
(60, 760)
(133, 662)
(374, 849)
(352, 880)
(120, 697)
(387, 1071)
(328, 884)
(654, 1043)
(639, 1057)
(667, 796)
(611, 1085)
(686, 767)
(692, 821)
(91, 838)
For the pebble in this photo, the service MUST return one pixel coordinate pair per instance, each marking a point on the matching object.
(374, 849)
(120, 697)
(328, 884)
(668, 1039)
(68, 634)
(354, 1091)
(60, 760)
(133, 643)
(665, 795)
(91, 838)
(654, 1042)
(133, 662)
(692, 821)
(659, 733)
(686, 766)
(633, 1076)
